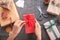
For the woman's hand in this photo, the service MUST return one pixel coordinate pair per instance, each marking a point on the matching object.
(38, 30)
(16, 29)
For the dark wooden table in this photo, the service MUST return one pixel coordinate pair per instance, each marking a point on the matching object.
(30, 7)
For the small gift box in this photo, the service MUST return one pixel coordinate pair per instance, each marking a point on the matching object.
(30, 23)
(52, 30)
(53, 8)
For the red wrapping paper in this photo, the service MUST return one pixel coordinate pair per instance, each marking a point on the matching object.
(30, 23)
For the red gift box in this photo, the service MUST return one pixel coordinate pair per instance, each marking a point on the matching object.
(30, 23)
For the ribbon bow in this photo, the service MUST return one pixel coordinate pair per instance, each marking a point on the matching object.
(52, 23)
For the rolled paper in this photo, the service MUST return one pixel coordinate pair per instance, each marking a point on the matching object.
(52, 30)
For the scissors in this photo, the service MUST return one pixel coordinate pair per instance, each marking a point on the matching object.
(42, 15)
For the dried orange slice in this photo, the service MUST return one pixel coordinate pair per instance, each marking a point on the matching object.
(46, 1)
(8, 29)
(53, 1)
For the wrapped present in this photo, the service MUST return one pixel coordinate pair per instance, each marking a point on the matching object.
(8, 16)
(46, 1)
(52, 30)
(53, 8)
(30, 23)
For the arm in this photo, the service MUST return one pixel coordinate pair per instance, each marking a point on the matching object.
(38, 30)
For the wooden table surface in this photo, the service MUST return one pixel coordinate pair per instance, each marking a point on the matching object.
(30, 7)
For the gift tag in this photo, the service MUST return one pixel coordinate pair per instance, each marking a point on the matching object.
(20, 3)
